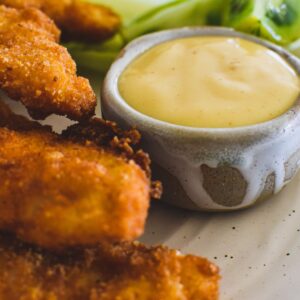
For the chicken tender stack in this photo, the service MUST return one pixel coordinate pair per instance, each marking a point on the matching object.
(63, 192)
(71, 204)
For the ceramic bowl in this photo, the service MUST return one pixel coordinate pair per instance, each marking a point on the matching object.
(218, 169)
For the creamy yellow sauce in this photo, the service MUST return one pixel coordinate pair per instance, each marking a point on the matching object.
(210, 82)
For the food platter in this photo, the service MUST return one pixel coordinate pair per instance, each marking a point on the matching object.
(208, 91)
(257, 249)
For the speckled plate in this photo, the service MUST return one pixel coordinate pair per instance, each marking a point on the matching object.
(258, 249)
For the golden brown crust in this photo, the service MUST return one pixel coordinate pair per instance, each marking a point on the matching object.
(76, 18)
(107, 134)
(108, 272)
(37, 71)
(58, 193)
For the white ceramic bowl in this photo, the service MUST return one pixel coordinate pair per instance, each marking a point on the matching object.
(210, 169)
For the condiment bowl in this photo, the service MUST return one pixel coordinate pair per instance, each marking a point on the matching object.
(216, 169)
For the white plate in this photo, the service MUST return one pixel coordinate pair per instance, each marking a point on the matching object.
(258, 250)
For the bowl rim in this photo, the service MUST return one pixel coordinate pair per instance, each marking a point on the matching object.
(110, 86)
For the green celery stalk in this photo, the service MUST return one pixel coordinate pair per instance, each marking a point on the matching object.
(283, 19)
(295, 48)
(276, 20)
(176, 13)
(98, 61)
(130, 9)
(97, 57)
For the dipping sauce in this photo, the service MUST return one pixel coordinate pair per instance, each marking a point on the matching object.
(210, 82)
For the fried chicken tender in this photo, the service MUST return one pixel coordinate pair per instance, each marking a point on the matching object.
(109, 272)
(37, 71)
(58, 192)
(123, 143)
(77, 19)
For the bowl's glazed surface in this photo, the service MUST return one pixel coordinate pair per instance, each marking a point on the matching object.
(206, 168)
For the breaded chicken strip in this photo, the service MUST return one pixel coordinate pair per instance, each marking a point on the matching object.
(57, 193)
(77, 19)
(37, 71)
(124, 144)
(128, 271)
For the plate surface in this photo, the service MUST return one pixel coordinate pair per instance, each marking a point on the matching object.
(258, 249)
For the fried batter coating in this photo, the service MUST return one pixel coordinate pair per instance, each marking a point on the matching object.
(77, 19)
(122, 143)
(57, 193)
(37, 71)
(126, 271)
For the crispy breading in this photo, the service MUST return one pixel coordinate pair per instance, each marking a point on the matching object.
(77, 19)
(37, 71)
(58, 192)
(108, 272)
(122, 143)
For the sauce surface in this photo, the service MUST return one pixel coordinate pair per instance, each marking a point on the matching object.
(210, 82)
